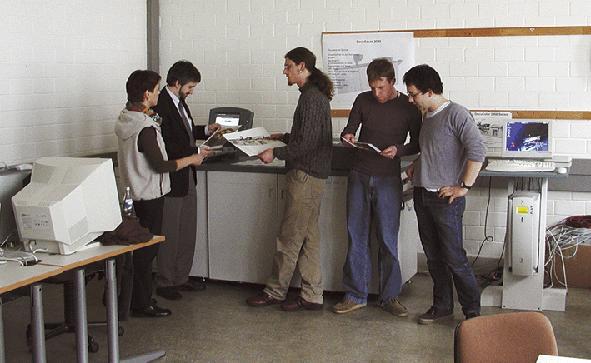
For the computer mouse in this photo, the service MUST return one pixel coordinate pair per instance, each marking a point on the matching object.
(561, 170)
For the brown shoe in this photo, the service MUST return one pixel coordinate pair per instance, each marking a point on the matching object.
(434, 314)
(262, 299)
(395, 308)
(346, 306)
(299, 304)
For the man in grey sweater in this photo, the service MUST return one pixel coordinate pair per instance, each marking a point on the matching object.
(452, 152)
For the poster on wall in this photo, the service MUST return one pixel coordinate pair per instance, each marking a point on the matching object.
(345, 58)
(491, 124)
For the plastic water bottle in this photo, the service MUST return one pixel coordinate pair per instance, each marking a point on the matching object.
(128, 204)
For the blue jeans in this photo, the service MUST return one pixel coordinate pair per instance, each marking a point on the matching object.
(440, 229)
(380, 198)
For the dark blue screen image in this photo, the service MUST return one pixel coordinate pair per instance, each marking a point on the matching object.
(527, 136)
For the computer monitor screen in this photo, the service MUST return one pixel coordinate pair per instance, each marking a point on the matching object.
(228, 119)
(232, 117)
(527, 139)
(68, 203)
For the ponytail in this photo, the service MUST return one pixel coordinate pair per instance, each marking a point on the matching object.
(322, 82)
(317, 77)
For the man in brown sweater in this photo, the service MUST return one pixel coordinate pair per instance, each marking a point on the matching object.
(307, 156)
(375, 187)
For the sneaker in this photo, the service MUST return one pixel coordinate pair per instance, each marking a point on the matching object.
(432, 315)
(346, 306)
(472, 315)
(394, 307)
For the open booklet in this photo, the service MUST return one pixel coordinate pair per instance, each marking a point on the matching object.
(362, 145)
(253, 141)
(217, 139)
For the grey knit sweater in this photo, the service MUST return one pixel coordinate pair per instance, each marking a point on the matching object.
(447, 140)
(309, 143)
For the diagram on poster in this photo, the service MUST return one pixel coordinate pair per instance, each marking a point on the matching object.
(347, 55)
(491, 126)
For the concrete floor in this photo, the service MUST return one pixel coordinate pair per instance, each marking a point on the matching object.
(216, 325)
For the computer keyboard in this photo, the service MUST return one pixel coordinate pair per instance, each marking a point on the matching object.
(519, 165)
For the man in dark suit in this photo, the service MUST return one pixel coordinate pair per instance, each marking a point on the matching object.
(175, 257)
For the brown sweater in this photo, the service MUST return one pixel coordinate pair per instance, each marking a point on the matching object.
(146, 143)
(309, 144)
(383, 124)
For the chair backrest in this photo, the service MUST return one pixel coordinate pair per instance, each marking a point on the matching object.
(511, 337)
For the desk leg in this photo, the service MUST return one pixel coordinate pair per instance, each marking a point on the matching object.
(113, 322)
(112, 313)
(2, 353)
(37, 324)
(81, 319)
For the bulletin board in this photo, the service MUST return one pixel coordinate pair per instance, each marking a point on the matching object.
(497, 32)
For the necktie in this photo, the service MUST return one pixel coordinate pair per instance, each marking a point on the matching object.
(186, 122)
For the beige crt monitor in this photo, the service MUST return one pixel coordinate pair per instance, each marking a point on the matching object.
(69, 203)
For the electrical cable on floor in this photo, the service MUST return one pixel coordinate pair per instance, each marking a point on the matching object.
(491, 277)
(486, 236)
(563, 240)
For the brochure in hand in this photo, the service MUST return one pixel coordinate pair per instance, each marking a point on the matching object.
(363, 145)
(253, 141)
(217, 139)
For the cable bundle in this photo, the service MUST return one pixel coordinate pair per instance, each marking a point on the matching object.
(563, 240)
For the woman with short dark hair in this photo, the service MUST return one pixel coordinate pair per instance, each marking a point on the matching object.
(144, 168)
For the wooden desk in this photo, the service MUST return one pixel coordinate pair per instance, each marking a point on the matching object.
(77, 262)
(14, 276)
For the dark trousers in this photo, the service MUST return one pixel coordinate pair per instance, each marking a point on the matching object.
(175, 257)
(372, 200)
(440, 229)
(149, 213)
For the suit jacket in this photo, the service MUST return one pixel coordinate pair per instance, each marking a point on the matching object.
(177, 141)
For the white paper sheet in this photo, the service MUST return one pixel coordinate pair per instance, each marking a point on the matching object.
(253, 141)
(346, 56)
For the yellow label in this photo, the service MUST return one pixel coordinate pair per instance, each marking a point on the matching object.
(521, 209)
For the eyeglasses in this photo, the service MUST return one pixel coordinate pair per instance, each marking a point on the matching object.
(414, 95)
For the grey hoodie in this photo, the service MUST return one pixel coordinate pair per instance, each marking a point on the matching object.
(134, 169)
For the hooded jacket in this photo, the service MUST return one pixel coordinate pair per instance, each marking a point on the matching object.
(135, 171)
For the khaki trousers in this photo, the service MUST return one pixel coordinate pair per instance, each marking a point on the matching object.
(298, 243)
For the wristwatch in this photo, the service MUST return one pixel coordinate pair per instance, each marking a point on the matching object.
(463, 185)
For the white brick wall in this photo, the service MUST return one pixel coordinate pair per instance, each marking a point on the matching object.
(247, 36)
(62, 74)
(64, 65)
(537, 73)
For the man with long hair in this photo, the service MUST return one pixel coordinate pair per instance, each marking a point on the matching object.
(308, 155)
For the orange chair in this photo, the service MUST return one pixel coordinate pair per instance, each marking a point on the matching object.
(512, 337)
